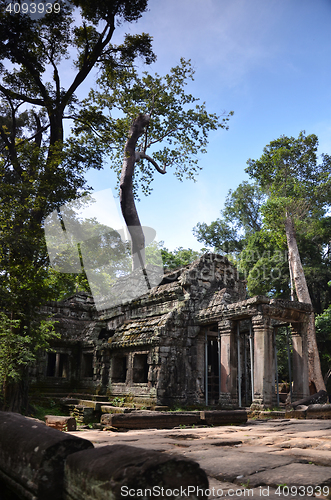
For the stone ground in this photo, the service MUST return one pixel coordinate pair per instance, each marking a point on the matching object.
(263, 458)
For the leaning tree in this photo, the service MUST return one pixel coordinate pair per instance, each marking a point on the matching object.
(298, 189)
(160, 126)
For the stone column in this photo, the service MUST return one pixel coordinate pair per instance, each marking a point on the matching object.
(300, 361)
(228, 371)
(263, 362)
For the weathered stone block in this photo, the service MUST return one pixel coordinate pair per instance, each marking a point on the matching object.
(61, 423)
(296, 414)
(118, 471)
(92, 404)
(153, 419)
(115, 409)
(271, 414)
(225, 417)
(83, 414)
(32, 456)
(165, 349)
(319, 411)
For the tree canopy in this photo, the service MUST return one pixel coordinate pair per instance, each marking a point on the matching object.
(279, 228)
(176, 131)
(40, 169)
(153, 114)
(251, 228)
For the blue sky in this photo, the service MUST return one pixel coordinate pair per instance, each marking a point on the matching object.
(268, 61)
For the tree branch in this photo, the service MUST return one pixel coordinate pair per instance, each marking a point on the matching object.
(20, 97)
(90, 61)
(12, 151)
(76, 119)
(143, 156)
(161, 138)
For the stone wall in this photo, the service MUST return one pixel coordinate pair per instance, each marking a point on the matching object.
(181, 343)
(147, 349)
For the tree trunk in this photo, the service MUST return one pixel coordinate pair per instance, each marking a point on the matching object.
(17, 396)
(314, 365)
(128, 206)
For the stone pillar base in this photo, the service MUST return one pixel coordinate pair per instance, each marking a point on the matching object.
(226, 401)
(257, 404)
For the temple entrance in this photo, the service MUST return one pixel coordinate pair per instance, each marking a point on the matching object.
(245, 361)
(212, 366)
(213, 371)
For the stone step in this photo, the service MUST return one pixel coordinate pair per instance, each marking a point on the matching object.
(271, 414)
(90, 404)
(115, 409)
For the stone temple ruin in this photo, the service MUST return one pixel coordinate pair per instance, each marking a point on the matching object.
(194, 339)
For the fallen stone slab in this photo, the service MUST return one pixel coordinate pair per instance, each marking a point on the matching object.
(121, 471)
(319, 411)
(259, 449)
(222, 442)
(32, 456)
(145, 419)
(271, 414)
(61, 423)
(228, 465)
(294, 474)
(294, 442)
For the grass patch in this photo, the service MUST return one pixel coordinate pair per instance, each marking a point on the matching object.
(42, 406)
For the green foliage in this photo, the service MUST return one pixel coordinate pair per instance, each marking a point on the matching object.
(42, 406)
(39, 170)
(283, 342)
(117, 401)
(179, 257)
(264, 265)
(241, 217)
(62, 285)
(18, 349)
(288, 180)
(296, 184)
(178, 129)
(323, 334)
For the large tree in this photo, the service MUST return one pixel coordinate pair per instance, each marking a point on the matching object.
(261, 254)
(298, 189)
(159, 127)
(39, 169)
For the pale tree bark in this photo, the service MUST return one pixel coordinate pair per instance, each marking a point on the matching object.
(301, 288)
(128, 206)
